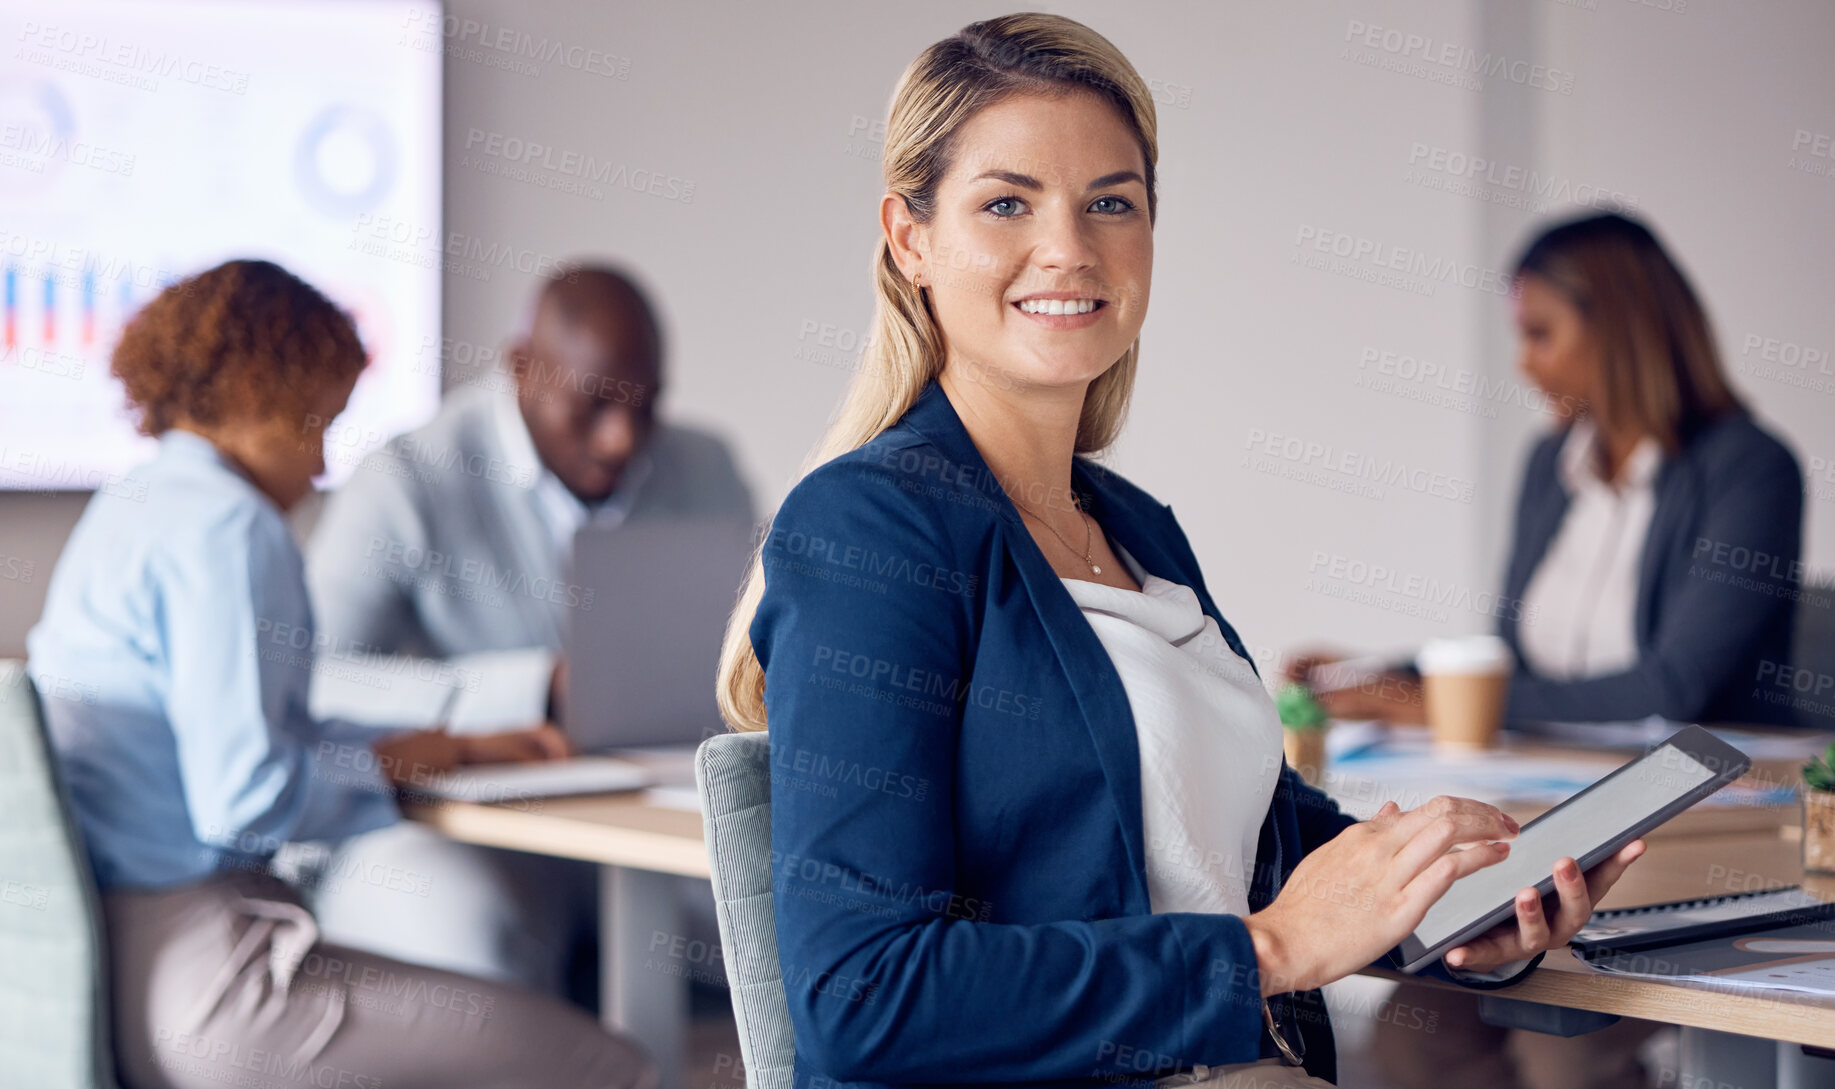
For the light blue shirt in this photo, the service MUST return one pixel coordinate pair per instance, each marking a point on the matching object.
(173, 660)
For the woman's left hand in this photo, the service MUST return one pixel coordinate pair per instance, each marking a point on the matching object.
(1384, 697)
(1532, 931)
(544, 742)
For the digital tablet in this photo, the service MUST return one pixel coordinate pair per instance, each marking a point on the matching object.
(1589, 827)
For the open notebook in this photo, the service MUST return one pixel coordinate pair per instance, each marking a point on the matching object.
(1683, 921)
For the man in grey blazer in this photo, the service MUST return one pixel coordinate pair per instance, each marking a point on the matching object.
(440, 581)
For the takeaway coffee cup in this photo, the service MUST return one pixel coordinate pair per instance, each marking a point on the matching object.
(1464, 681)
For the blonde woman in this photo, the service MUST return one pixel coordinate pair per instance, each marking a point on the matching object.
(1030, 819)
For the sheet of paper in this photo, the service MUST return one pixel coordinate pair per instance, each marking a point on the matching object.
(1797, 958)
(674, 797)
(1402, 764)
(546, 779)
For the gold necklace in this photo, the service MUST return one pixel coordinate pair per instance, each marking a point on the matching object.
(1088, 537)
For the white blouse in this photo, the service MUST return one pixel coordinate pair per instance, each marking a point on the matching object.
(1579, 609)
(1209, 736)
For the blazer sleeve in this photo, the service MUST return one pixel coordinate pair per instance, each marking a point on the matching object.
(1536, 496)
(891, 974)
(1709, 623)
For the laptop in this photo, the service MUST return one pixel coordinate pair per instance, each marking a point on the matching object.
(641, 659)
(642, 646)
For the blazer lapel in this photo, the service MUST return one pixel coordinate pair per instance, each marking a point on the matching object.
(1143, 533)
(1129, 526)
(1087, 667)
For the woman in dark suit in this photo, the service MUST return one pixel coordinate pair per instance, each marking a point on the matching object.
(1654, 571)
(1655, 563)
(1030, 821)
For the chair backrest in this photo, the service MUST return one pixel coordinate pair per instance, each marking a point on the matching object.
(733, 776)
(54, 1013)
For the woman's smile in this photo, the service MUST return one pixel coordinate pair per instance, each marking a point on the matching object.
(1059, 310)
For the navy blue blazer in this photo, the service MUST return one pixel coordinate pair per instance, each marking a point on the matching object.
(1718, 581)
(959, 872)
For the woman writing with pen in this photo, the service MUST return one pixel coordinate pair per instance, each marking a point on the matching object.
(175, 609)
(1624, 602)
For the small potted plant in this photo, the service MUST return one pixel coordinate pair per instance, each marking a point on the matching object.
(1819, 813)
(1303, 723)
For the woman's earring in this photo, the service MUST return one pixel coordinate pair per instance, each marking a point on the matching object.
(915, 283)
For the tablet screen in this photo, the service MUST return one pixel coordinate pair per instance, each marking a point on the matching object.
(1583, 822)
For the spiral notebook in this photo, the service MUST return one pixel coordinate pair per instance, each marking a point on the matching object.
(1624, 930)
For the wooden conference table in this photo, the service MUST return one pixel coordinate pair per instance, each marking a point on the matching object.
(645, 955)
(647, 960)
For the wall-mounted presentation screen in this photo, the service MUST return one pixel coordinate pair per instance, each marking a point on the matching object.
(145, 141)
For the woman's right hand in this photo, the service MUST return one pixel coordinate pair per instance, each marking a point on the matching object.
(1351, 900)
(544, 742)
(412, 758)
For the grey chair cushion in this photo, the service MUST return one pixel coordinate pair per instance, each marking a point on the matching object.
(53, 981)
(733, 775)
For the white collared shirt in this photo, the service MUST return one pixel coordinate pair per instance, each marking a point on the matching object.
(173, 656)
(562, 512)
(1208, 734)
(1579, 609)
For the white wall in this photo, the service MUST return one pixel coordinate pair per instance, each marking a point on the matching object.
(1269, 131)
(1697, 113)
(1274, 132)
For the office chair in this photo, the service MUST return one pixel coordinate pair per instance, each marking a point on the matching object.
(1813, 648)
(733, 777)
(54, 1017)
